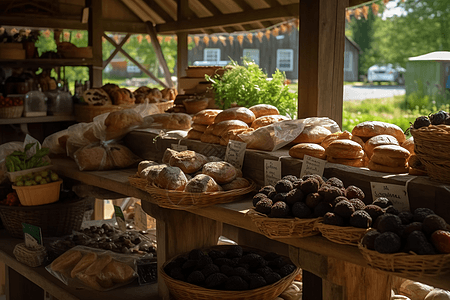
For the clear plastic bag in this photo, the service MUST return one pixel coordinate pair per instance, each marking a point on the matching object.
(104, 156)
(57, 142)
(95, 269)
(278, 135)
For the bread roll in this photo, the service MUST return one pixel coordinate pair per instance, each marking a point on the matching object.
(188, 161)
(168, 121)
(210, 129)
(84, 262)
(171, 178)
(222, 172)
(267, 120)
(195, 105)
(312, 134)
(168, 154)
(358, 162)
(369, 129)
(225, 126)
(392, 151)
(340, 136)
(194, 134)
(118, 272)
(118, 121)
(199, 127)
(387, 169)
(153, 172)
(344, 149)
(314, 150)
(122, 96)
(206, 116)
(409, 145)
(67, 261)
(89, 280)
(236, 113)
(97, 266)
(202, 183)
(264, 110)
(378, 140)
(210, 138)
(121, 156)
(238, 183)
(146, 163)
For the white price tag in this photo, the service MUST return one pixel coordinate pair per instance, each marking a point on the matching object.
(272, 171)
(235, 153)
(140, 217)
(312, 165)
(178, 147)
(394, 192)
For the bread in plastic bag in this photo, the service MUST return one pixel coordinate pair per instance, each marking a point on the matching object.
(104, 156)
(57, 142)
(101, 270)
(278, 135)
(175, 121)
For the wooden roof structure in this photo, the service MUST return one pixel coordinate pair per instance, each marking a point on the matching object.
(321, 40)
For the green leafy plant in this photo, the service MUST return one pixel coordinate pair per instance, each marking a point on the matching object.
(248, 85)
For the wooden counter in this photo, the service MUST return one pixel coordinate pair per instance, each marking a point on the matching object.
(26, 283)
(342, 267)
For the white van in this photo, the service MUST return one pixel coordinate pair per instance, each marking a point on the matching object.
(386, 73)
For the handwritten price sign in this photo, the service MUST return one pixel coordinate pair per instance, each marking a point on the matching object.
(312, 165)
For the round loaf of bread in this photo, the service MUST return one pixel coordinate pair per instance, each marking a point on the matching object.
(210, 138)
(267, 120)
(199, 127)
(206, 116)
(340, 136)
(392, 151)
(386, 160)
(236, 113)
(312, 134)
(171, 178)
(194, 134)
(168, 155)
(146, 163)
(202, 183)
(314, 150)
(188, 161)
(264, 110)
(152, 172)
(238, 183)
(409, 145)
(347, 149)
(222, 172)
(358, 162)
(214, 158)
(378, 140)
(369, 129)
(225, 126)
(387, 169)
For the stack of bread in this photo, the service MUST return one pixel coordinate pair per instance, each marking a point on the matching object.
(192, 172)
(201, 121)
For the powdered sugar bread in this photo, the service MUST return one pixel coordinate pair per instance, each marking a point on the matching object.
(188, 161)
(202, 183)
(171, 178)
(152, 172)
(168, 155)
(146, 163)
(222, 172)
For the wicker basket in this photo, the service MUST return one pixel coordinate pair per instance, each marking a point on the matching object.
(86, 113)
(183, 200)
(57, 219)
(432, 146)
(38, 194)
(163, 106)
(407, 263)
(346, 235)
(11, 112)
(138, 182)
(283, 227)
(181, 290)
(30, 257)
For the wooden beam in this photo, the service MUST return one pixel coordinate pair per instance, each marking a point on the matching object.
(321, 64)
(211, 7)
(111, 57)
(40, 21)
(272, 3)
(159, 10)
(182, 37)
(291, 10)
(95, 32)
(150, 74)
(243, 5)
(124, 26)
(159, 54)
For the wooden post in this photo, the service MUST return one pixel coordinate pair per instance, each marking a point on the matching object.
(95, 33)
(321, 58)
(154, 38)
(182, 37)
(20, 288)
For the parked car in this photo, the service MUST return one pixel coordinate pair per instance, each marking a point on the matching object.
(386, 73)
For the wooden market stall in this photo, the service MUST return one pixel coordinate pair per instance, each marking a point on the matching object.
(331, 271)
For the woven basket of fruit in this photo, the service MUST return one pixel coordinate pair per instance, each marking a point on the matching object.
(432, 144)
(11, 107)
(56, 219)
(252, 274)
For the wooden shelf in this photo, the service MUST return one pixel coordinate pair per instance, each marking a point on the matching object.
(28, 120)
(38, 62)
